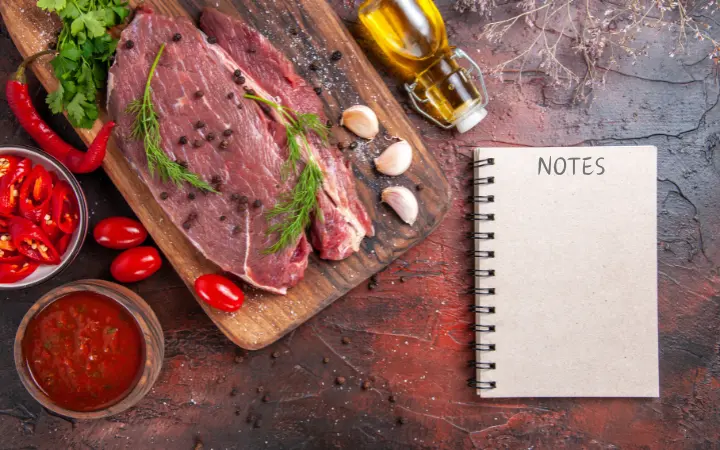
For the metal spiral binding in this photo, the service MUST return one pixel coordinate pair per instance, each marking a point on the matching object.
(482, 273)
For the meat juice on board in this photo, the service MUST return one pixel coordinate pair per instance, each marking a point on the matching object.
(84, 351)
(411, 35)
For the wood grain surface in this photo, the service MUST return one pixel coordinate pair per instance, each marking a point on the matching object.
(266, 317)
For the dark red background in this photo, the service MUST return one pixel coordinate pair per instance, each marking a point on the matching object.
(409, 339)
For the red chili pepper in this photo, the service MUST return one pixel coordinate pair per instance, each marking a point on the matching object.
(219, 292)
(63, 243)
(10, 186)
(35, 194)
(18, 97)
(32, 242)
(12, 273)
(64, 207)
(8, 251)
(7, 164)
(4, 224)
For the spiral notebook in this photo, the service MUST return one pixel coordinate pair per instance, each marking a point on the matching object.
(565, 272)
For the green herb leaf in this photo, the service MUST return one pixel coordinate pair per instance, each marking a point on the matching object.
(55, 100)
(75, 108)
(90, 22)
(51, 5)
(147, 128)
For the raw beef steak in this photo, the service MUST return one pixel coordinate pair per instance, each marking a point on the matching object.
(229, 141)
(344, 222)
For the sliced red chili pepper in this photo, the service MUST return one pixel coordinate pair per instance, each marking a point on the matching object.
(62, 243)
(7, 164)
(4, 224)
(49, 226)
(8, 251)
(64, 208)
(53, 177)
(20, 102)
(14, 272)
(32, 242)
(10, 186)
(35, 194)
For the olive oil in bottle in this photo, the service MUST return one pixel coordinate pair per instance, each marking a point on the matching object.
(411, 35)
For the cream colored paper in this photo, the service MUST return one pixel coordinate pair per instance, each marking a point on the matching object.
(575, 273)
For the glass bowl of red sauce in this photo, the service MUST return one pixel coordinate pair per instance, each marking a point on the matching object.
(89, 349)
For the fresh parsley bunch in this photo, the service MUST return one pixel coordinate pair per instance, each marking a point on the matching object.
(85, 52)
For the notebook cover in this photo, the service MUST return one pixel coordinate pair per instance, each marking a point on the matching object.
(573, 296)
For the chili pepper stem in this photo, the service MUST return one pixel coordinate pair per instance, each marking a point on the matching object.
(20, 73)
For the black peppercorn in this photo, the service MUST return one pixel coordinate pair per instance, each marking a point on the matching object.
(239, 106)
(197, 143)
(129, 44)
(191, 196)
(199, 124)
(257, 203)
(223, 218)
(199, 94)
(353, 145)
(224, 144)
(236, 229)
(177, 37)
(249, 91)
(237, 73)
(210, 136)
(240, 80)
(163, 196)
(227, 132)
(318, 90)
(234, 197)
(186, 225)
(231, 95)
(392, 399)
(212, 40)
(336, 55)
(183, 140)
(374, 278)
(313, 66)
(345, 340)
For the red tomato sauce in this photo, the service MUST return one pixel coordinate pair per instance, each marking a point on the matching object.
(84, 351)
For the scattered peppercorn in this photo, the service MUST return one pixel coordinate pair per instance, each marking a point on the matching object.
(392, 399)
(250, 418)
(318, 90)
(366, 385)
(212, 40)
(234, 392)
(237, 73)
(199, 94)
(236, 230)
(177, 37)
(249, 91)
(129, 44)
(374, 278)
(210, 136)
(240, 80)
(227, 132)
(340, 381)
(231, 95)
(224, 144)
(235, 197)
(345, 340)
(275, 355)
(163, 196)
(199, 124)
(223, 218)
(419, 187)
(326, 360)
(186, 225)
(266, 398)
(336, 55)
(257, 203)
(197, 143)
(313, 66)
(372, 285)
(402, 420)
(191, 196)
(239, 106)
(260, 388)
(353, 145)
(183, 140)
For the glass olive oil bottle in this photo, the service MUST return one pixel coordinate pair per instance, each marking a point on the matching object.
(411, 35)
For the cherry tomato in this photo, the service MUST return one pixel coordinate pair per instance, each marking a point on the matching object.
(135, 264)
(120, 233)
(219, 292)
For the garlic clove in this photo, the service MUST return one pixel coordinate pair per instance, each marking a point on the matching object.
(403, 201)
(395, 160)
(361, 120)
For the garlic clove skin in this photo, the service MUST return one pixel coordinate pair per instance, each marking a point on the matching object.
(361, 120)
(395, 160)
(403, 201)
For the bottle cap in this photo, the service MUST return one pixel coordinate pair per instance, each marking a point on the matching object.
(470, 118)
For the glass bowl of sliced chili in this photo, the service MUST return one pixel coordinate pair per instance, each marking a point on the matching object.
(89, 349)
(41, 200)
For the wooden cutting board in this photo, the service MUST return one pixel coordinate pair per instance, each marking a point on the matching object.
(266, 317)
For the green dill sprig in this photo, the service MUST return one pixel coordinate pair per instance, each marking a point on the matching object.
(297, 206)
(147, 128)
